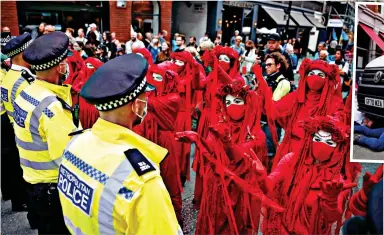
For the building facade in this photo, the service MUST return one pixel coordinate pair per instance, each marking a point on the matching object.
(115, 16)
(312, 21)
(370, 36)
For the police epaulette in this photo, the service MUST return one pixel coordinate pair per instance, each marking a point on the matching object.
(77, 132)
(139, 162)
(27, 76)
(65, 105)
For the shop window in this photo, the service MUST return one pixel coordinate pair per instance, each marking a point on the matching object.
(146, 16)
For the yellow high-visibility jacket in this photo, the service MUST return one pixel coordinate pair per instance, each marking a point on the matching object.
(42, 121)
(12, 84)
(110, 183)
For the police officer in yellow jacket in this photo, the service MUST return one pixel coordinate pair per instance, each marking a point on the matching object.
(43, 119)
(109, 180)
(15, 80)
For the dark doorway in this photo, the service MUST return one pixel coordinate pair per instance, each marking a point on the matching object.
(231, 22)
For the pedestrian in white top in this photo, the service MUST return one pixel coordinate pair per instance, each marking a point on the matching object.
(250, 57)
(128, 45)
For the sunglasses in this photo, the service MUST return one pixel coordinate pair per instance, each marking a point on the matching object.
(269, 65)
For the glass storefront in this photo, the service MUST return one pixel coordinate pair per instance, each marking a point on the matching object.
(62, 15)
(146, 16)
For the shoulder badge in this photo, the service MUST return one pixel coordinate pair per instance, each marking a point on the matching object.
(139, 162)
(65, 105)
(27, 76)
(77, 132)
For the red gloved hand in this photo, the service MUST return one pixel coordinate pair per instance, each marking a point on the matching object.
(370, 180)
(187, 136)
(330, 190)
(221, 131)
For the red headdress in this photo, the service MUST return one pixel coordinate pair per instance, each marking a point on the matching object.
(170, 78)
(332, 85)
(233, 55)
(253, 108)
(76, 70)
(146, 54)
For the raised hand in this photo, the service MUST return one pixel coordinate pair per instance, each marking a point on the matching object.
(187, 136)
(221, 131)
(332, 189)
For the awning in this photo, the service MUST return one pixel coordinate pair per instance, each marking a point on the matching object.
(278, 16)
(372, 34)
(312, 19)
(300, 19)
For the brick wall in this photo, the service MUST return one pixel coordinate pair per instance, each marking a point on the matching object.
(166, 17)
(120, 20)
(9, 17)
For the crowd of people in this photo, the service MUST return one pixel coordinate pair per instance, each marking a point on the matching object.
(103, 133)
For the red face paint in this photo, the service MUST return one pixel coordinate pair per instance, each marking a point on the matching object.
(225, 66)
(315, 83)
(236, 112)
(321, 151)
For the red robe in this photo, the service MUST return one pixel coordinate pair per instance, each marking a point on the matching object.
(304, 103)
(298, 186)
(226, 205)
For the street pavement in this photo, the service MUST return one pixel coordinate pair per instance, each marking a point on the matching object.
(17, 223)
(362, 153)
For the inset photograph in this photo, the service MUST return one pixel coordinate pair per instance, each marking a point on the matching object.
(368, 141)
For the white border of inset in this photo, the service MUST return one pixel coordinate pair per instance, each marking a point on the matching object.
(354, 82)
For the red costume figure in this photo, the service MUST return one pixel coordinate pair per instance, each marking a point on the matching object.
(318, 94)
(312, 183)
(158, 126)
(359, 201)
(191, 73)
(228, 203)
(224, 61)
(144, 53)
(80, 72)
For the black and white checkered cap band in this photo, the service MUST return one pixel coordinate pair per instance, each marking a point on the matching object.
(124, 100)
(5, 40)
(19, 50)
(50, 64)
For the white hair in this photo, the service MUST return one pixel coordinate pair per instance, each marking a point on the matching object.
(239, 38)
(324, 52)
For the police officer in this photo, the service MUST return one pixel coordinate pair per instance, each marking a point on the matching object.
(12, 84)
(43, 120)
(109, 180)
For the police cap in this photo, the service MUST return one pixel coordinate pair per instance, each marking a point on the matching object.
(274, 37)
(117, 82)
(47, 51)
(17, 45)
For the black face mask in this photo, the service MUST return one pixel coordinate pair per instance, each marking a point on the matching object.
(248, 48)
(201, 52)
(133, 39)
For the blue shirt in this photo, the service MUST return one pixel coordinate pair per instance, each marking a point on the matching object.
(174, 46)
(154, 52)
(240, 50)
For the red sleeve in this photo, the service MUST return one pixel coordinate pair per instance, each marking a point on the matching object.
(283, 108)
